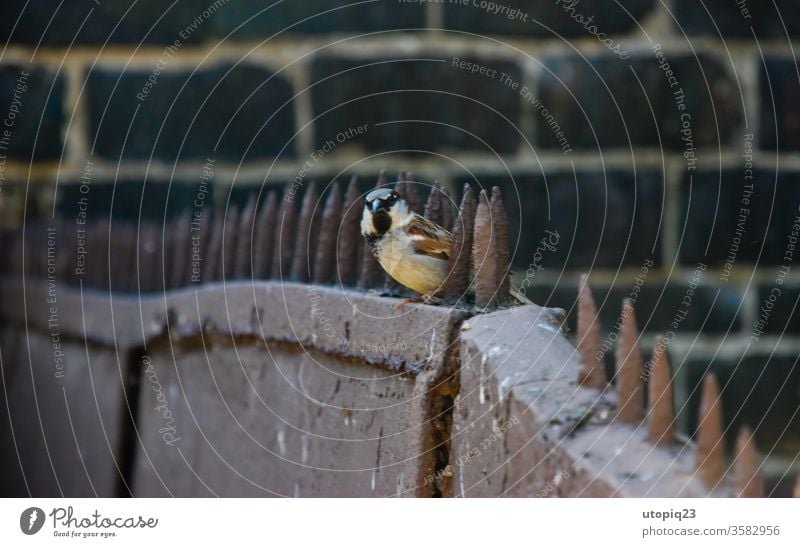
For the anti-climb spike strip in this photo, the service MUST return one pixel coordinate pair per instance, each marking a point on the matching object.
(284, 238)
(501, 245)
(411, 192)
(329, 230)
(212, 266)
(747, 466)
(231, 236)
(447, 209)
(592, 372)
(433, 207)
(264, 237)
(181, 253)
(710, 456)
(350, 239)
(303, 245)
(660, 416)
(629, 360)
(459, 264)
(242, 265)
(483, 257)
(202, 242)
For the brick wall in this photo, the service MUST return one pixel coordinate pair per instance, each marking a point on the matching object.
(658, 140)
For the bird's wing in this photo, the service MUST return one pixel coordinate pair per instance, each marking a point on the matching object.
(429, 238)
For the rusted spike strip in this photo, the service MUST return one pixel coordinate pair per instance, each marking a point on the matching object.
(166, 256)
(182, 251)
(629, 372)
(303, 243)
(459, 263)
(371, 273)
(148, 248)
(747, 466)
(483, 255)
(501, 244)
(264, 237)
(201, 243)
(411, 192)
(211, 267)
(710, 456)
(284, 238)
(242, 260)
(347, 263)
(433, 208)
(329, 231)
(382, 180)
(660, 417)
(229, 242)
(131, 242)
(447, 209)
(592, 372)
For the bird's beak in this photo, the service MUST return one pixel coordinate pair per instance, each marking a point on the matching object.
(377, 205)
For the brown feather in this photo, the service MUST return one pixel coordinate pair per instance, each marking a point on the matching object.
(429, 238)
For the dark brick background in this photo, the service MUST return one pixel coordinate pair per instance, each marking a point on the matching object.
(185, 115)
(437, 105)
(603, 102)
(37, 130)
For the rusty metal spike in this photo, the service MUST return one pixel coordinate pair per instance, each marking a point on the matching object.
(660, 417)
(796, 492)
(710, 457)
(264, 237)
(433, 208)
(242, 263)
(747, 466)
(284, 238)
(382, 180)
(182, 250)
(483, 256)
(201, 245)
(328, 233)
(350, 239)
(212, 266)
(592, 372)
(229, 242)
(629, 361)
(303, 241)
(412, 196)
(502, 245)
(447, 209)
(460, 261)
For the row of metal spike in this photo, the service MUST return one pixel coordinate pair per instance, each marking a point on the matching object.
(273, 240)
(710, 460)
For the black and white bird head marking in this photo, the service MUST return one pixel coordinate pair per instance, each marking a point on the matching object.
(384, 210)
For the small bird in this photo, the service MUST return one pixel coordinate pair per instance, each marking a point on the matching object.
(413, 250)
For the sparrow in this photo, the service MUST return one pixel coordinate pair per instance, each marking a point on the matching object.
(413, 250)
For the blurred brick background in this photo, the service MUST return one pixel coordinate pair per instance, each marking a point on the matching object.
(137, 99)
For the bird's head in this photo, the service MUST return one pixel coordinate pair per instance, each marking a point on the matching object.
(384, 209)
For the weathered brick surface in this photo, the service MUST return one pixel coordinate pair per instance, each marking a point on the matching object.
(225, 113)
(31, 112)
(601, 101)
(607, 219)
(427, 105)
(543, 18)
